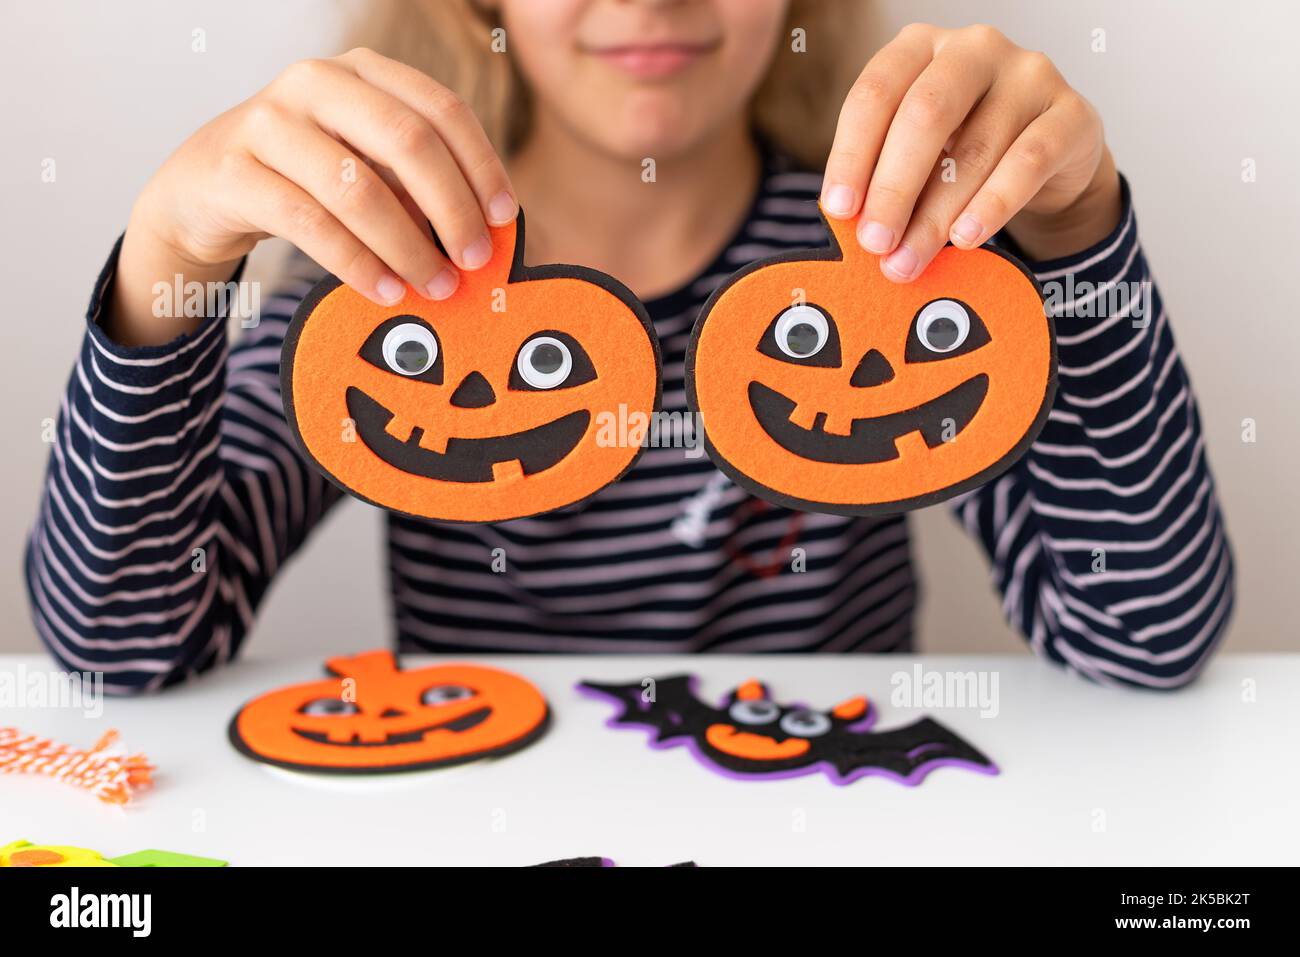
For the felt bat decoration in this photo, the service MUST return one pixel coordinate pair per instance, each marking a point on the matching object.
(577, 862)
(597, 862)
(490, 405)
(372, 716)
(823, 386)
(752, 736)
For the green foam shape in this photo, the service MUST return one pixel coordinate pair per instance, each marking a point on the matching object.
(152, 858)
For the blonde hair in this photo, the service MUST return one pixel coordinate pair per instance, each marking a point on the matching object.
(794, 108)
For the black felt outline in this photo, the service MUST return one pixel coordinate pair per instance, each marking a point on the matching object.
(518, 744)
(832, 253)
(518, 273)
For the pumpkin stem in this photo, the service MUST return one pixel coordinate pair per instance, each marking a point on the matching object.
(844, 234)
(375, 663)
(505, 254)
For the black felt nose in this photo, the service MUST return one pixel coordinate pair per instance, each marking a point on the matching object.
(474, 392)
(874, 369)
(393, 713)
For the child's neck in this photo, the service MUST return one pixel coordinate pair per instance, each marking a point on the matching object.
(591, 208)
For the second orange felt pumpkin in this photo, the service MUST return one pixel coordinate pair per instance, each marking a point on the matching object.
(823, 386)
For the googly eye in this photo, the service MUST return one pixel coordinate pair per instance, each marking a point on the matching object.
(943, 325)
(442, 694)
(754, 712)
(544, 362)
(329, 707)
(410, 349)
(801, 331)
(805, 724)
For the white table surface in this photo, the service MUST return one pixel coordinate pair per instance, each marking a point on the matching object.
(1089, 776)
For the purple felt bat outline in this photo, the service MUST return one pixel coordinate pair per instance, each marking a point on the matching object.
(849, 750)
(598, 862)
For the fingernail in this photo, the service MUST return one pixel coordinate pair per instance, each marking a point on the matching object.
(902, 262)
(876, 238)
(476, 253)
(390, 289)
(838, 200)
(502, 208)
(442, 285)
(967, 229)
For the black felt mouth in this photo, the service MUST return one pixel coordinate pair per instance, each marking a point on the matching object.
(466, 460)
(871, 439)
(463, 723)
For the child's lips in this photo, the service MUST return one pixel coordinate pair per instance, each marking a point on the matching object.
(652, 60)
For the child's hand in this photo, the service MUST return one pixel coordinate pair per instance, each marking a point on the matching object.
(345, 158)
(1028, 150)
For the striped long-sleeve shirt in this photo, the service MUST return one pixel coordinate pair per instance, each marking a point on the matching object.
(175, 493)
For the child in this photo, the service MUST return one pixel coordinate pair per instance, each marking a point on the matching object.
(1106, 538)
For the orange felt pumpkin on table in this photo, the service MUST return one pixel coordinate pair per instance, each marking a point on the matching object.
(823, 386)
(482, 407)
(375, 717)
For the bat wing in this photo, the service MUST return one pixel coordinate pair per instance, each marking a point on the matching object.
(662, 704)
(577, 862)
(910, 752)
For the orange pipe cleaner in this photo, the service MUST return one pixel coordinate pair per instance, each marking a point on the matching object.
(104, 770)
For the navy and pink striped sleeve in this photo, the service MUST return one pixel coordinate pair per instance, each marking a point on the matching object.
(173, 493)
(1107, 542)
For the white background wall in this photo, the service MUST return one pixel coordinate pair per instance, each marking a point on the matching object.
(1187, 89)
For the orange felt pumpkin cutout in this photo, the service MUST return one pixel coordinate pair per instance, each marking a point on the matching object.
(823, 386)
(373, 717)
(483, 407)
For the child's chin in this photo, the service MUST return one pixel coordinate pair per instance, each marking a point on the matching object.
(657, 134)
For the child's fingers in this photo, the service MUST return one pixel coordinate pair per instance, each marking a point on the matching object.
(864, 120)
(1037, 154)
(385, 129)
(355, 195)
(408, 203)
(272, 204)
(977, 147)
(931, 110)
(455, 123)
